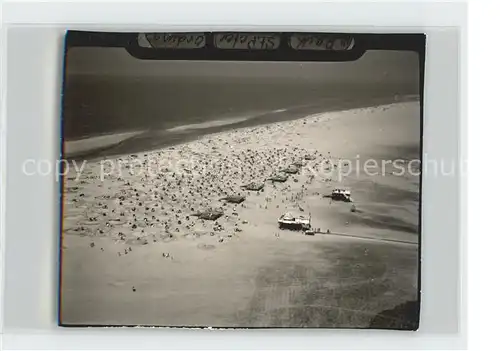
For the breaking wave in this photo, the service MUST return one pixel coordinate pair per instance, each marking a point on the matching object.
(209, 124)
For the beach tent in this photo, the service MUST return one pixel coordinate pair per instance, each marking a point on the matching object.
(235, 199)
(210, 214)
(254, 186)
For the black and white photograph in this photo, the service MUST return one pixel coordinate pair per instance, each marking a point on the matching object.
(240, 180)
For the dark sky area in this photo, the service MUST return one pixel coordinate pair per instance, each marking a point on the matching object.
(374, 66)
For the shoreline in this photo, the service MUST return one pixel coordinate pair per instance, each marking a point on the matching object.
(168, 139)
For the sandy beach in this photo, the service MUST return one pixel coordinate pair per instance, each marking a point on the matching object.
(134, 254)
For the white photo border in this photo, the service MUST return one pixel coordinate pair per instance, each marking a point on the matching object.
(31, 87)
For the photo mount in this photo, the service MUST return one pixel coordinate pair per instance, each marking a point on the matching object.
(283, 52)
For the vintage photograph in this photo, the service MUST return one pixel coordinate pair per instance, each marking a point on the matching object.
(240, 194)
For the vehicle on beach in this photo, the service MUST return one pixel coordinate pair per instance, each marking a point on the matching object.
(293, 222)
(339, 194)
